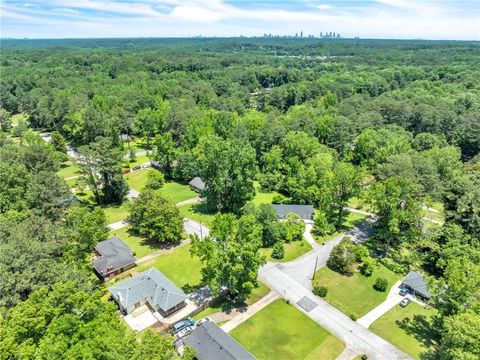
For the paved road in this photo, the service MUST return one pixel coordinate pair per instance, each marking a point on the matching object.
(354, 335)
(117, 225)
(189, 201)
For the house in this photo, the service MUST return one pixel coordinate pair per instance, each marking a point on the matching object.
(113, 256)
(156, 165)
(212, 343)
(149, 287)
(415, 283)
(197, 184)
(305, 212)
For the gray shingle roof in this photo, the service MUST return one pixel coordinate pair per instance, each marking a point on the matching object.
(304, 211)
(150, 285)
(212, 343)
(197, 183)
(115, 254)
(415, 281)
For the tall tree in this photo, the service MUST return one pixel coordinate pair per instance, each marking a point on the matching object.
(398, 209)
(228, 169)
(100, 162)
(230, 254)
(165, 152)
(154, 216)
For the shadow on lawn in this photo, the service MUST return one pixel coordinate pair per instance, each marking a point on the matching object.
(420, 328)
(201, 209)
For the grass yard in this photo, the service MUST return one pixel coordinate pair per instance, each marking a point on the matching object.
(177, 191)
(138, 179)
(225, 305)
(197, 212)
(138, 161)
(281, 332)
(293, 250)
(351, 220)
(178, 265)
(139, 246)
(414, 336)
(115, 213)
(262, 197)
(68, 169)
(17, 117)
(354, 294)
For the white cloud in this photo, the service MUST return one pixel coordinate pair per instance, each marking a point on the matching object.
(105, 18)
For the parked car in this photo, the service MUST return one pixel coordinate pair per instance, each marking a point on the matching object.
(182, 324)
(185, 331)
(204, 320)
(403, 291)
(405, 302)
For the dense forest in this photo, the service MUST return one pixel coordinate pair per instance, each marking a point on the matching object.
(395, 124)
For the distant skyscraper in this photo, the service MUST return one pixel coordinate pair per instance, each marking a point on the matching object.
(301, 34)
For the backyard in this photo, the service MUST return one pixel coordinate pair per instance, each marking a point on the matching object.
(178, 265)
(414, 335)
(282, 332)
(140, 247)
(354, 294)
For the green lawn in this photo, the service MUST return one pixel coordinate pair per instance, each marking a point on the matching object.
(68, 169)
(176, 191)
(116, 213)
(354, 294)
(138, 161)
(17, 117)
(138, 179)
(281, 332)
(262, 197)
(178, 265)
(197, 212)
(224, 304)
(140, 247)
(293, 250)
(351, 220)
(414, 336)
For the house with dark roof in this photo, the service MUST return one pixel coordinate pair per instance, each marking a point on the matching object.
(212, 343)
(197, 184)
(148, 287)
(113, 256)
(416, 284)
(305, 212)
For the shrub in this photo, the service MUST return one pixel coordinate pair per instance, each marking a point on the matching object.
(394, 266)
(342, 257)
(278, 252)
(155, 180)
(364, 357)
(278, 199)
(353, 317)
(368, 266)
(320, 291)
(381, 284)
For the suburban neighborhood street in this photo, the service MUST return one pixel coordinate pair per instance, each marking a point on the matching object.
(353, 334)
(292, 281)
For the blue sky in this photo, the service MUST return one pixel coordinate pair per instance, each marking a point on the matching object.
(427, 19)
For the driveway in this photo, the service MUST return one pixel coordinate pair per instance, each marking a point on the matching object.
(354, 335)
(393, 298)
(193, 227)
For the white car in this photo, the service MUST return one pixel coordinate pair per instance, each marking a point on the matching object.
(204, 320)
(185, 332)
